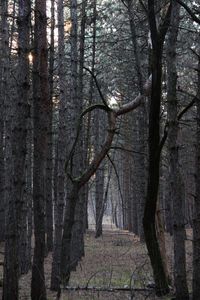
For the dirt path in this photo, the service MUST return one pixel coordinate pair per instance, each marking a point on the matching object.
(113, 267)
(115, 260)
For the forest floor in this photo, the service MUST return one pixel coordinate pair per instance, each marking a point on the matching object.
(115, 266)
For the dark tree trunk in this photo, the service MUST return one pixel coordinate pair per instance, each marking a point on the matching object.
(41, 115)
(60, 153)
(49, 165)
(196, 220)
(175, 180)
(2, 116)
(157, 38)
(20, 132)
(99, 180)
(14, 242)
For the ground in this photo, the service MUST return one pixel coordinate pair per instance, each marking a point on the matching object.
(116, 260)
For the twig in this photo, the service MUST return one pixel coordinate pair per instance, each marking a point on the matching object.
(97, 85)
(106, 289)
(117, 175)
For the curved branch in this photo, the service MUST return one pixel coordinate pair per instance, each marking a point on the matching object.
(87, 110)
(93, 107)
(137, 101)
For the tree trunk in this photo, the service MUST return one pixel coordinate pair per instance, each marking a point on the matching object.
(59, 177)
(141, 175)
(20, 130)
(196, 220)
(49, 165)
(41, 115)
(99, 180)
(157, 38)
(17, 174)
(2, 118)
(73, 198)
(177, 198)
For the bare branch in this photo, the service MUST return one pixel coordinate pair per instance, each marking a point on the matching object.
(137, 101)
(165, 24)
(117, 175)
(87, 110)
(180, 115)
(97, 85)
(189, 11)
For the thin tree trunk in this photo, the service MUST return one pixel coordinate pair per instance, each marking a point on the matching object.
(196, 220)
(20, 130)
(2, 119)
(141, 175)
(60, 153)
(99, 180)
(29, 189)
(49, 165)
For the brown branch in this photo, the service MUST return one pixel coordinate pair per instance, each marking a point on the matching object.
(137, 101)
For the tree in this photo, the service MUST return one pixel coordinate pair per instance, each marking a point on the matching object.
(49, 164)
(157, 41)
(196, 220)
(79, 182)
(41, 108)
(3, 47)
(13, 248)
(60, 153)
(176, 188)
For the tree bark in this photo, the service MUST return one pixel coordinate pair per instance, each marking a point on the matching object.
(41, 114)
(2, 119)
(59, 178)
(15, 222)
(157, 38)
(196, 220)
(177, 198)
